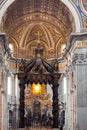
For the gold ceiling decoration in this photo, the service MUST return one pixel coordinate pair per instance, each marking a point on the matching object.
(28, 22)
(37, 32)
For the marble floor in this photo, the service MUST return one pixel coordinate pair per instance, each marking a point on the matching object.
(40, 128)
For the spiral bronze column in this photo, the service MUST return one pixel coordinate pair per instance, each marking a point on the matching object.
(21, 106)
(55, 105)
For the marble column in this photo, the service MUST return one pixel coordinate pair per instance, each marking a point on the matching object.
(55, 103)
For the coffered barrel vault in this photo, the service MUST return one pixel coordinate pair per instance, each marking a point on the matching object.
(28, 23)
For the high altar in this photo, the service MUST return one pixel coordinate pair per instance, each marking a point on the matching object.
(37, 94)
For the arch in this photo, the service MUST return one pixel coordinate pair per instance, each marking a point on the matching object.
(66, 2)
(15, 41)
(4, 8)
(74, 13)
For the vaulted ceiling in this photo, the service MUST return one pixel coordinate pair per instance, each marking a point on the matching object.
(28, 23)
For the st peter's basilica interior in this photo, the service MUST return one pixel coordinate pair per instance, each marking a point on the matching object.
(43, 64)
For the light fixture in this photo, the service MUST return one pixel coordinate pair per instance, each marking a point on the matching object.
(36, 88)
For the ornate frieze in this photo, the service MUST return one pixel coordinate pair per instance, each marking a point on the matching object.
(79, 59)
(75, 53)
(80, 44)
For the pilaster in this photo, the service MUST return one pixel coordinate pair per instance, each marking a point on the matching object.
(4, 100)
(76, 56)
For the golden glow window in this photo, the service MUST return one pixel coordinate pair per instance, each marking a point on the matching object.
(36, 88)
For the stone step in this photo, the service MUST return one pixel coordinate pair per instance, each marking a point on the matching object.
(21, 129)
(38, 128)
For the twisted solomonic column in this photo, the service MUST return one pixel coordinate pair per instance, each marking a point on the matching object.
(22, 106)
(55, 103)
